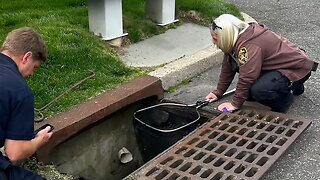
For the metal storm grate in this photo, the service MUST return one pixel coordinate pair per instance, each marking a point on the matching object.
(242, 145)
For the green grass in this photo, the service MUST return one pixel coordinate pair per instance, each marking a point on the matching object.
(208, 8)
(135, 23)
(74, 51)
(140, 28)
(175, 88)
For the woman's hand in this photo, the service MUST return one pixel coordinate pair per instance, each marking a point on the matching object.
(211, 97)
(226, 107)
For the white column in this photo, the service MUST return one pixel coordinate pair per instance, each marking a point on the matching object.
(161, 11)
(105, 18)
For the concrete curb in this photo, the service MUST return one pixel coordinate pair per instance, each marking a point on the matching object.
(187, 67)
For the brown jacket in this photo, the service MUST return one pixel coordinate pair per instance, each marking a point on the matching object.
(259, 50)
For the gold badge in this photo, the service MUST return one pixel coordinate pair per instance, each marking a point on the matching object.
(243, 56)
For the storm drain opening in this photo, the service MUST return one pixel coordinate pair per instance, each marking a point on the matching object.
(160, 126)
(240, 145)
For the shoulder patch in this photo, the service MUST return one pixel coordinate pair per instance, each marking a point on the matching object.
(243, 56)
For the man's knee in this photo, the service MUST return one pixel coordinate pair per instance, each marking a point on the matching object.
(16, 172)
(3, 175)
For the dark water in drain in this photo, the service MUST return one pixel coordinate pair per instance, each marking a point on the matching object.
(168, 117)
(169, 124)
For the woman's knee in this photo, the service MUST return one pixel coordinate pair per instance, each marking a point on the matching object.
(258, 92)
(270, 86)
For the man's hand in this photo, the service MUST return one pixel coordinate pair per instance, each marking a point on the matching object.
(17, 150)
(43, 136)
(227, 106)
(211, 97)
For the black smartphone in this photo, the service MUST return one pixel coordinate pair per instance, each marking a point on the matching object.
(43, 127)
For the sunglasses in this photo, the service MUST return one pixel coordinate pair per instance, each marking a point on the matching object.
(213, 27)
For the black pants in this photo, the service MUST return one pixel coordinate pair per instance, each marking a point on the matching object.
(17, 173)
(12, 172)
(273, 89)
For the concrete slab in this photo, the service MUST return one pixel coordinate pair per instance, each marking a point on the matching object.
(185, 40)
(187, 67)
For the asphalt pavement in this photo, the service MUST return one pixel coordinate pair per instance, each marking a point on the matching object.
(298, 21)
(187, 53)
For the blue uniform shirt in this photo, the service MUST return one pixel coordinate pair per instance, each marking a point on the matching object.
(16, 103)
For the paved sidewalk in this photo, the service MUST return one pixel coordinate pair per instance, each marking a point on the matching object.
(174, 44)
(176, 55)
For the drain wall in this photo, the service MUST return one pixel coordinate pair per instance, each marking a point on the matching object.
(93, 153)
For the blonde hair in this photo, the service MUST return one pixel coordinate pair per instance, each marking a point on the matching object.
(22, 40)
(231, 28)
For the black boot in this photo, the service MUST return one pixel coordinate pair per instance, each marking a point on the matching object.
(298, 86)
(297, 89)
